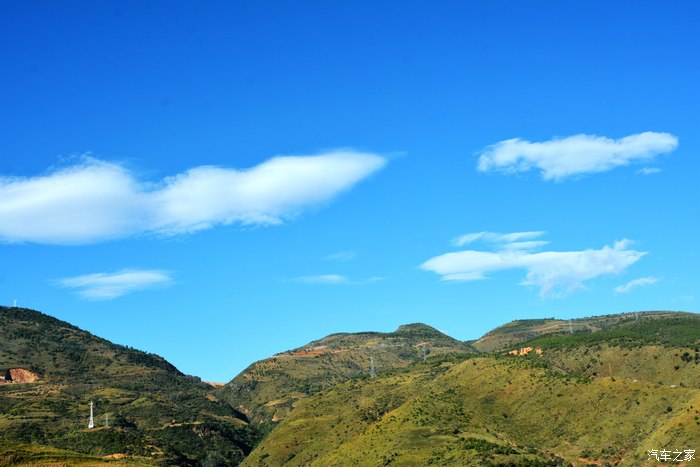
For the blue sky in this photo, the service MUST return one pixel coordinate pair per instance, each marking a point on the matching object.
(219, 182)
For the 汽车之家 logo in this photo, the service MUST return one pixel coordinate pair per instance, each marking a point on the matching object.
(666, 455)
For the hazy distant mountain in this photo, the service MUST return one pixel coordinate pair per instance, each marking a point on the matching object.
(156, 414)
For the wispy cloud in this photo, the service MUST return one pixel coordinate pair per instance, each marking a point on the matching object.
(334, 279)
(342, 256)
(556, 273)
(561, 158)
(532, 245)
(633, 284)
(107, 286)
(96, 200)
(515, 238)
(649, 170)
(322, 279)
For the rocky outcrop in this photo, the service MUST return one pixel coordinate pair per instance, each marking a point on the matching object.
(20, 375)
(525, 351)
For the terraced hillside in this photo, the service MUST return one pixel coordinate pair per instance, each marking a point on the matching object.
(560, 407)
(156, 414)
(269, 389)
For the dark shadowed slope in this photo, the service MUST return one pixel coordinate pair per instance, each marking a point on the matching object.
(156, 414)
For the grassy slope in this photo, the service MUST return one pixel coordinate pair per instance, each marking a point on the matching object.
(269, 389)
(155, 411)
(516, 332)
(456, 408)
(524, 409)
(22, 454)
(657, 351)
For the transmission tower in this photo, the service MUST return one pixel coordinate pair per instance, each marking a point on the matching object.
(425, 352)
(372, 369)
(91, 423)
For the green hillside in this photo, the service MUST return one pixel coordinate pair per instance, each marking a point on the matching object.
(269, 389)
(13, 453)
(523, 330)
(604, 394)
(594, 391)
(157, 415)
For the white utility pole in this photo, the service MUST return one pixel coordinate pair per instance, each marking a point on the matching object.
(91, 423)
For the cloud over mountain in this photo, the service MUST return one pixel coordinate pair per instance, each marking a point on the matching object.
(96, 200)
(633, 284)
(556, 273)
(107, 286)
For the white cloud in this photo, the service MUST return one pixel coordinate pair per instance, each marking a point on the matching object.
(556, 273)
(107, 286)
(342, 256)
(560, 158)
(334, 279)
(649, 170)
(515, 240)
(322, 279)
(95, 200)
(524, 245)
(633, 284)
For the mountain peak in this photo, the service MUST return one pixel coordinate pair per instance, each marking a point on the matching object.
(417, 327)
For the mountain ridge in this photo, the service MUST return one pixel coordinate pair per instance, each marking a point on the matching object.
(268, 389)
(521, 330)
(416, 395)
(602, 395)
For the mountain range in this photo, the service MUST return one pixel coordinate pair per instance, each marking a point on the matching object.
(599, 390)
